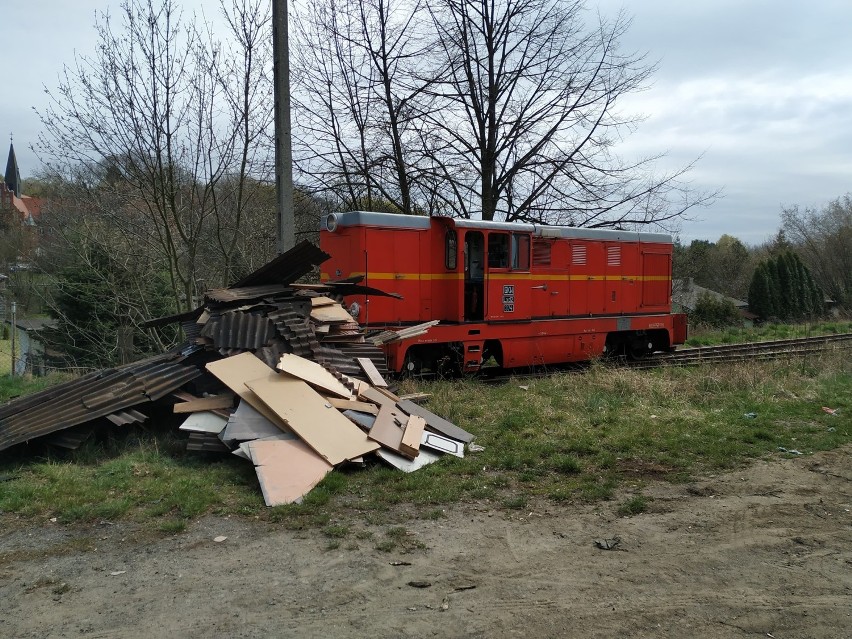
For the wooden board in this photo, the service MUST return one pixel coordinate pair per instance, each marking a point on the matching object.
(287, 469)
(372, 372)
(204, 422)
(386, 432)
(311, 417)
(435, 422)
(412, 436)
(234, 371)
(442, 444)
(313, 373)
(335, 313)
(205, 403)
(353, 404)
(321, 300)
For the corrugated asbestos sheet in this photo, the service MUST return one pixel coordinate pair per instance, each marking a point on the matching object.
(96, 395)
(287, 267)
(246, 331)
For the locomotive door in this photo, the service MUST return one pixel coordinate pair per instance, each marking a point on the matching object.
(507, 280)
(474, 276)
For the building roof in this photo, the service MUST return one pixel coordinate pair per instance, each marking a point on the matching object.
(686, 293)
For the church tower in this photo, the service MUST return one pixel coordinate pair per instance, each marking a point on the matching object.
(12, 175)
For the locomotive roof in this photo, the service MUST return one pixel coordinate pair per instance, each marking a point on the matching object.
(398, 220)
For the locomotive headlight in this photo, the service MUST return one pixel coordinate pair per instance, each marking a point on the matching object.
(331, 222)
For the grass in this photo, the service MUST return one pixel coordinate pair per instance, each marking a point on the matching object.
(564, 438)
(765, 332)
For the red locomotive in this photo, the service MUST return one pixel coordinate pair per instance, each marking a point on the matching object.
(520, 293)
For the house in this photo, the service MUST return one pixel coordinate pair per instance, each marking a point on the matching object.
(686, 293)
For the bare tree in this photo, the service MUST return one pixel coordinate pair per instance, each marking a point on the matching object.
(357, 101)
(161, 130)
(510, 111)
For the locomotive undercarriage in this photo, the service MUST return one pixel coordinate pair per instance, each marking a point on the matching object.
(451, 359)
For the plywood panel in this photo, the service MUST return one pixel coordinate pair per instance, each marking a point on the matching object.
(351, 404)
(286, 469)
(205, 403)
(410, 444)
(235, 371)
(388, 434)
(311, 417)
(372, 372)
(312, 373)
(335, 313)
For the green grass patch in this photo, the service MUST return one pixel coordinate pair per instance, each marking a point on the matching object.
(564, 438)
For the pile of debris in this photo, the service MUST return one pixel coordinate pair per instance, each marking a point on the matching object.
(276, 372)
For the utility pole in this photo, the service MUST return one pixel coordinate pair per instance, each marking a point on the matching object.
(12, 335)
(283, 138)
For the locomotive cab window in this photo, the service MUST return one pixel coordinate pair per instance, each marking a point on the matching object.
(451, 254)
(498, 250)
(520, 252)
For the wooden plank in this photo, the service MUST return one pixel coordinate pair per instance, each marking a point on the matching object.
(415, 397)
(204, 422)
(425, 458)
(386, 432)
(287, 469)
(435, 422)
(205, 404)
(311, 417)
(335, 313)
(313, 373)
(235, 371)
(373, 395)
(353, 404)
(372, 372)
(321, 300)
(442, 444)
(412, 435)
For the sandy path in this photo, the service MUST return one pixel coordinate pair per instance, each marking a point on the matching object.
(763, 552)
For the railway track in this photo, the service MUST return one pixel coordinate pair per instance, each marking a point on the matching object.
(750, 351)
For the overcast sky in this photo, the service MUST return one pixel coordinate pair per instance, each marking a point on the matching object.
(761, 88)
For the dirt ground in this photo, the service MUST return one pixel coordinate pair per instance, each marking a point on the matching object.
(763, 552)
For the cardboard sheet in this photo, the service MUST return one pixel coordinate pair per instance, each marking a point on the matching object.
(313, 373)
(311, 417)
(287, 469)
